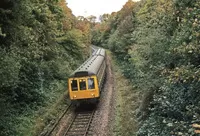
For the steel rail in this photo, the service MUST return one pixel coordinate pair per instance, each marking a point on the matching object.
(90, 121)
(70, 125)
(87, 121)
(48, 133)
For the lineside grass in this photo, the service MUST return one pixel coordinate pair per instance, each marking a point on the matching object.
(128, 100)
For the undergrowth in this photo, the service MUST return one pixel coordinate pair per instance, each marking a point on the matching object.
(127, 103)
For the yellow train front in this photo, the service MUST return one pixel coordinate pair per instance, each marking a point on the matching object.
(86, 82)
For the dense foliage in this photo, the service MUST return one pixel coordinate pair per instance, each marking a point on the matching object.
(40, 46)
(157, 44)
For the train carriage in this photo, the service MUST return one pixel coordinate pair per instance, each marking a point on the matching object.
(86, 82)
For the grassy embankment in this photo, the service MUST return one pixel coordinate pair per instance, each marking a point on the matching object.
(128, 99)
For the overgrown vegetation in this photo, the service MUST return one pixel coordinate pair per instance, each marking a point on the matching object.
(125, 123)
(41, 44)
(157, 44)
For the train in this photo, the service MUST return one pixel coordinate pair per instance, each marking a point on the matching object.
(86, 82)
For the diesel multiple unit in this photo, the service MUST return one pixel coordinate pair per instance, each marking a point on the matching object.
(86, 82)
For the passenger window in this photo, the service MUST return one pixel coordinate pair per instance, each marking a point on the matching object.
(82, 84)
(74, 85)
(91, 83)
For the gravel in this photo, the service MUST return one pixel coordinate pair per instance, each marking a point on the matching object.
(104, 115)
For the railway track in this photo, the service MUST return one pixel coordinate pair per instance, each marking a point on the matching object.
(48, 133)
(81, 124)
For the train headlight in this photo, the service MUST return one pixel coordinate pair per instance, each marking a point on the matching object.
(93, 95)
(74, 96)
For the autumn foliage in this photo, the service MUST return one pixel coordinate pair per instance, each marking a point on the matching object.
(157, 45)
(40, 47)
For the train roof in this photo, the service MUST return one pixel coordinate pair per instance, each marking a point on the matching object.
(90, 66)
(101, 52)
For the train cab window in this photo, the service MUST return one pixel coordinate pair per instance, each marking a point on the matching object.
(91, 83)
(74, 85)
(82, 84)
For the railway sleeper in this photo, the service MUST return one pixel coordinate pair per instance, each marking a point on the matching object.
(75, 133)
(78, 128)
(82, 120)
(86, 113)
(80, 123)
(83, 117)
